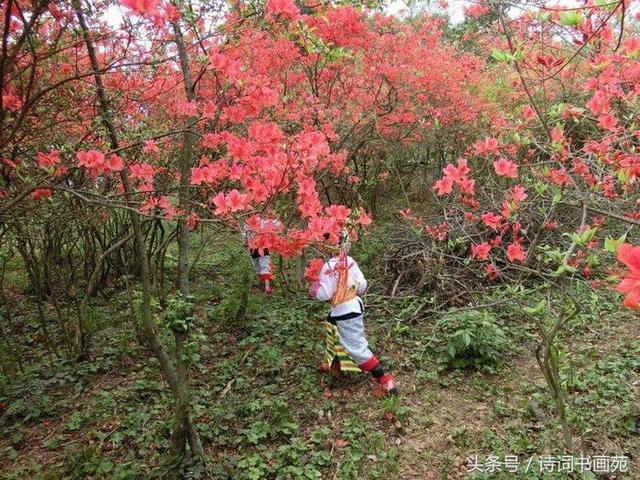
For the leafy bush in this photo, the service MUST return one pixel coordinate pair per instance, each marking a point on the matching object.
(470, 339)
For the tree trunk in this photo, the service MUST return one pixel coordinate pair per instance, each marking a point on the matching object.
(81, 339)
(185, 428)
(172, 375)
(12, 347)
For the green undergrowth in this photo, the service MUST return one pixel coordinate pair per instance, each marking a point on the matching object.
(262, 409)
(264, 412)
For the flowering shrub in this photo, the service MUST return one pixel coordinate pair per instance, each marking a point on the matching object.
(555, 174)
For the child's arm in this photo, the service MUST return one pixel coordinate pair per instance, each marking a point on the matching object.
(324, 288)
(358, 277)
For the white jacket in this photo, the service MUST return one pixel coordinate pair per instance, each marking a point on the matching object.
(328, 282)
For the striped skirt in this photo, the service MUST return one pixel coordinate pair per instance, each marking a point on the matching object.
(335, 351)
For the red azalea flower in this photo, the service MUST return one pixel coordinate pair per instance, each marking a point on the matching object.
(630, 284)
(444, 185)
(491, 220)
(516, 252)
(480, 251)
(505, 168)
(312, 272)
(491, 271)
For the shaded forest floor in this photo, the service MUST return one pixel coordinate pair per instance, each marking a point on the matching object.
(265, 412)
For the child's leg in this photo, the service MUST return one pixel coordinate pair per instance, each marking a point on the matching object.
(256, 264)
(264, 272)
(353, 340)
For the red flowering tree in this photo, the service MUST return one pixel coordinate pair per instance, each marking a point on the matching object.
(212, 114)
(556, 170)
(551, 185)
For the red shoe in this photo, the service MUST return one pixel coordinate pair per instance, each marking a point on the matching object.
(388, 384)
(324, 367)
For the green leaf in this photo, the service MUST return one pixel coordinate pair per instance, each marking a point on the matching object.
(499, 55)
(582, 238)
(518, 55)
(541, 188)
(451, 350)
(570, 18)
(611, 244)
(539, 309)
(10, 453)
(565, 268)
(586, 236)
(117, 438)
(623, 176)
(105, 466)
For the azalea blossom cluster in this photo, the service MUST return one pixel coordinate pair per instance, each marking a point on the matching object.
(294, 97)
(303, 106)
(497, 224)
(505, 191)
(257, 143)
(267, 132)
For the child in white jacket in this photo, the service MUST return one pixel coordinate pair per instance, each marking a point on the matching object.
(349, 318)
(261, 260)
